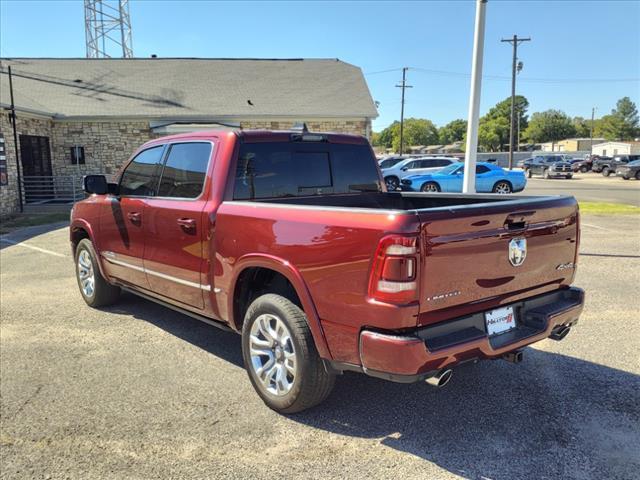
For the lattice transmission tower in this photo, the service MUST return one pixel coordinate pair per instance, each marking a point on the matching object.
(107, 27)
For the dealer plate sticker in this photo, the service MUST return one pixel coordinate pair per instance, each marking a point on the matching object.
(500, 320)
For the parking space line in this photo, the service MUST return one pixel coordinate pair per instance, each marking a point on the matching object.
(33, 247)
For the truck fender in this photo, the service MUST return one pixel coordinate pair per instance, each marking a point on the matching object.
(79, 223)
(293, 275)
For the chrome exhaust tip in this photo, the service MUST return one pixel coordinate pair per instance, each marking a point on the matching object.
(560, 332)
(441, 378)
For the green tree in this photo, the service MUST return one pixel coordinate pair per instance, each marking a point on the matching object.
(453, 131)
(622, 124)
(549, 126)
(582, 126)
(417, 131)
(385, 138)
(503, 110)
(492, 133)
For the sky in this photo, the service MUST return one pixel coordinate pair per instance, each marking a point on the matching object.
(582, 54)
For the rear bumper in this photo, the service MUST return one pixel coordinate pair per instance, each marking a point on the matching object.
(415, 355)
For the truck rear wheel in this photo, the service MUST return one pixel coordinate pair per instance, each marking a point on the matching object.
(95, 290)
(606, 171)
(281, 357)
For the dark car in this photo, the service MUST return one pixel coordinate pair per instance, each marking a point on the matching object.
(608, 165)
(549, 166)
(630, 170)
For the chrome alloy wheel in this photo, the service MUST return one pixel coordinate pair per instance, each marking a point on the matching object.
(502, 187)
(273, 357)
(86, 274)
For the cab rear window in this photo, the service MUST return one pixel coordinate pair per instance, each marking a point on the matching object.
(283, 169)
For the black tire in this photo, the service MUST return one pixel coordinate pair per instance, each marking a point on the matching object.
(545, 174)
(502, 187)
(569, 177)
(430, 187)
(392, 182)
(606, 171)
(103, 292)
(584, 169)
(637, 175)
(626, 178)
(529, 173)
(311, 383)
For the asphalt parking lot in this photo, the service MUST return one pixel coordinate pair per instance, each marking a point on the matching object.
(138, 391)
(589, 186)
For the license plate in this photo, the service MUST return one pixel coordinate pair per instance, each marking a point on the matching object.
(500, 320)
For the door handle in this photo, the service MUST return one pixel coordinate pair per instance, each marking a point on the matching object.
(135, 217)
(187, 223)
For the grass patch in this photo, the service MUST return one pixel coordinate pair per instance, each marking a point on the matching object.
(15, 222)
(603, 208)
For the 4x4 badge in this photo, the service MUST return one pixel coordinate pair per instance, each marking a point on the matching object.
(517, 251)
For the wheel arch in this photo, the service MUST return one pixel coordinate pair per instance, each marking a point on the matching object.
(505, 180)
(79, 230)
(274, 268)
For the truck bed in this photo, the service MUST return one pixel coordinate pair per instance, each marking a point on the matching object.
(406, 201)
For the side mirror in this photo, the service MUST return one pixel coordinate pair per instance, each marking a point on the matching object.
(95, 184)
(404, 169)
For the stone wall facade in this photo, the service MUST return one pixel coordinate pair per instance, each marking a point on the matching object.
(108, 144)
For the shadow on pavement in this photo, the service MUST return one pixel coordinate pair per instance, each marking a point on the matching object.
(552, 416)
(26, 233)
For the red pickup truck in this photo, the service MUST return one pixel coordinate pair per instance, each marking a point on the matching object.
(291, 239)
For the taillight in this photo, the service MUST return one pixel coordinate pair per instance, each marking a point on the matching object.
(394, 272)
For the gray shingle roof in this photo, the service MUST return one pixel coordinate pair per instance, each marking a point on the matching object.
(188, 88)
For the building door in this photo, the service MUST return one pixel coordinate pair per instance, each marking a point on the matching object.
(35, 157)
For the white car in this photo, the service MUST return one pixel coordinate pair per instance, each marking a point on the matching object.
(414, 166)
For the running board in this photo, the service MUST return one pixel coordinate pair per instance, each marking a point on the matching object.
(202, 318)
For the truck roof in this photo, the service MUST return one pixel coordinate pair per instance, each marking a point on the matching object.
(250, 136)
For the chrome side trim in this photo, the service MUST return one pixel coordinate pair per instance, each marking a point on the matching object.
(206, 288)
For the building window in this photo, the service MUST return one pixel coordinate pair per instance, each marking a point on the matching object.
(604, 152)
(615, 151)
(77, 155)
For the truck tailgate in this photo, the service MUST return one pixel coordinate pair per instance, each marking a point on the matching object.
(465, 253)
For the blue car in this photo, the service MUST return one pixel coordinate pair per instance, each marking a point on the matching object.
(489, 179)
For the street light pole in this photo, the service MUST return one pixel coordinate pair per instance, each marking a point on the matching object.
(471, 150)
(513, 41)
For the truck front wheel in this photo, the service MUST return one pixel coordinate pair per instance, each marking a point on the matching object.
(281, 357)
(95, 290)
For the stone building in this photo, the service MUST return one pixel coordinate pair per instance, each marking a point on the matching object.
(79, 116)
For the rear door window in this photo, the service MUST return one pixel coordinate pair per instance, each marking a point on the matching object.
(140, 177)
(185, 170)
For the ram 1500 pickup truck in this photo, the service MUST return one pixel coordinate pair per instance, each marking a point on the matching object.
(291, 239)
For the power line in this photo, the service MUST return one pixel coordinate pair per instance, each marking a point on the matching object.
(506, 78)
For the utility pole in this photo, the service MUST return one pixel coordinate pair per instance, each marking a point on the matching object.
(15, 140)
(471, 150)
(514, 42)
(403, 86)
(593, 112)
